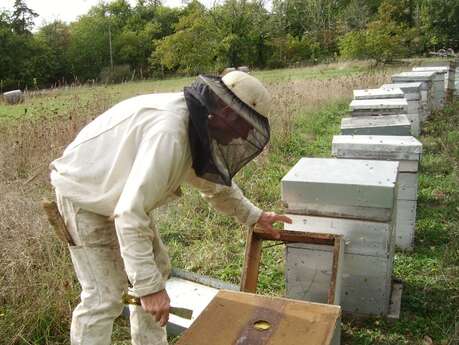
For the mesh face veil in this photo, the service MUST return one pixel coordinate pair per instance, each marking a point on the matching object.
(224, 133)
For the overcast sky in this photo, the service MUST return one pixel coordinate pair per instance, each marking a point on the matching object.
(69, 10)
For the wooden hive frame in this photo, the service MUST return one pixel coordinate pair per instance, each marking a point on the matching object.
(253, 249)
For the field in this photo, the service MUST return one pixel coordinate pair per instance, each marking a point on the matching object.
(38, 288)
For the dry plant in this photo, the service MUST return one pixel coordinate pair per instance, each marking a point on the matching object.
(37, 287)
(302, 97)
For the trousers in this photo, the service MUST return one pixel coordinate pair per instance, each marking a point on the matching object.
(100, 271)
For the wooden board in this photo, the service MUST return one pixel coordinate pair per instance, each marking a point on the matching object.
(230, 318)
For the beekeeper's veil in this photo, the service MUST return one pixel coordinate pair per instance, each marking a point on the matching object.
(227, 126)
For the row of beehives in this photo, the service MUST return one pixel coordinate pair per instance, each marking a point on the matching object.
(369, 198)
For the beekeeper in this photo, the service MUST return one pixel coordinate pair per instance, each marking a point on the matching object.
(132, 159)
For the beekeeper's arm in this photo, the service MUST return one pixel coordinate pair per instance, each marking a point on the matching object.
(158, 162)
(232, 202)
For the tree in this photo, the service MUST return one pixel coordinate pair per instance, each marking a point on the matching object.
(192, 48)
(89, 49)
(23, 17)
(56, 36)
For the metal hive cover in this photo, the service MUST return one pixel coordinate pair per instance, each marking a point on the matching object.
(320, 183)
(378, 93)
(410, 87)
(414, 76)
(238, 318)
(375, 146)
(438, 69)
(391, 103)
(375, 121)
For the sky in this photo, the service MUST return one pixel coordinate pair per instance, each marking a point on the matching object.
(69, 10)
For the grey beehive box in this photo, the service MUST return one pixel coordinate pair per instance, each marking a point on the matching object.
(370, 107)
(376, 125)
(357, 189)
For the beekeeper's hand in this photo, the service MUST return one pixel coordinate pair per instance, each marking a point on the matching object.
(157, 304)
(267, 219)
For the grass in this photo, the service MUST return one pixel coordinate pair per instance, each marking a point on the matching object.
(37, 286)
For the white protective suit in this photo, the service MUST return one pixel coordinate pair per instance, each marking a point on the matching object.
(128, 161)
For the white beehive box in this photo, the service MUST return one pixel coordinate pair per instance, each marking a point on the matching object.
(416, 96)
(370, 107)
(366, 282)
(367, 263)
(405, 224)
(13, 97)
(378, 93)
(456, 82)
(429, 77)
(449, 77)
(400, 148)
(376, 125)
(439, 83)
(358, 189)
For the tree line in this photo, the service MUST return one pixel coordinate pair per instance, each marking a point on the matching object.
(116, 41)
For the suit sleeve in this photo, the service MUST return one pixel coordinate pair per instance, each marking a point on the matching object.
(227, 200)
(156, 168)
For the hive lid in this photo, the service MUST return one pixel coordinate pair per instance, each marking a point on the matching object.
(438, 69)
(383, 147)
(231, 318)
(410, 87)
(414, 76)
(345, 186)
(392, 103)
(378, 93)
(375, 121)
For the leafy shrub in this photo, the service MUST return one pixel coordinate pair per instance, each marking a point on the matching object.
(119, 74)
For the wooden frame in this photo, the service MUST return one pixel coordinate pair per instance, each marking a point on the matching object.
(253, 250)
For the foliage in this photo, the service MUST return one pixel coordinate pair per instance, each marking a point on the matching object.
(185, 50)
(383, 40)
(155, 40)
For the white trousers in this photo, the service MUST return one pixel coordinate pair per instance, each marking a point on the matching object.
(100, 271)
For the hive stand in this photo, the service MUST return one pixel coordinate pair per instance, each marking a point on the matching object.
(253, 251)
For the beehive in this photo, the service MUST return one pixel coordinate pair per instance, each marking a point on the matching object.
(353, 198)
(408, 151)
(417, 107)
(372, 107)
(376, 125)
(430, 78)
(440, 82)
(378, 93)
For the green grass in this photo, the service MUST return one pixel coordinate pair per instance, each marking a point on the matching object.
(203, 241)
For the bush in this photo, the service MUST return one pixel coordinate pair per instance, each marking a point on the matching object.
(119, 74)
(381, 41)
